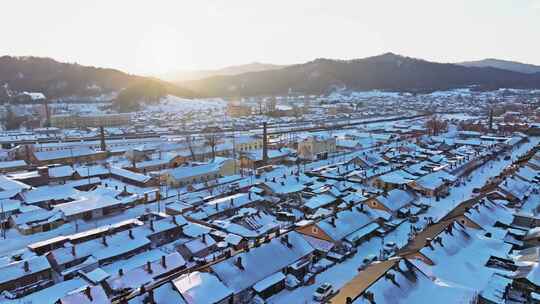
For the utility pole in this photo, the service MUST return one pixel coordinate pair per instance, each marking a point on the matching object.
(490, 119)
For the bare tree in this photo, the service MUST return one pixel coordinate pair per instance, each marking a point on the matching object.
(211, 141)
(190, 146)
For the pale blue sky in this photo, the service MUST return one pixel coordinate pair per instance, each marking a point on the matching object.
(163, 35)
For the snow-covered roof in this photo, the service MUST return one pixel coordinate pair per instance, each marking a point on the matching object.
(17, 270)
(345, 222)
(398, 177)
(435, 179)
(222, 204)
(194, 171)
(201, 288)
(88, 201)
(87, 295)
(320, 200)
(60, 154)
(130, 175)
(7, 184)
(396, 199)
(261, 262)
(60, 171)
(12, 164)
(141, 275)
(46, 193)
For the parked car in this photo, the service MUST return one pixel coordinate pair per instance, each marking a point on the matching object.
(366, 261)
(323, 292)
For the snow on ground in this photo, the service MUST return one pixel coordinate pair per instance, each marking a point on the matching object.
(176, 104)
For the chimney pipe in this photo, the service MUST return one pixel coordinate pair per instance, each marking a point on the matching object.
(164, 261)
(130, 232)
(26, 266)
(149, 267)
(73, 250)
(120, 272)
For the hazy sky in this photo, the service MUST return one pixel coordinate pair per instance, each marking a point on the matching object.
(155, 36)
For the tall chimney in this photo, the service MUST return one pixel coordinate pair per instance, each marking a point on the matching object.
(265, 143)
(102, 138)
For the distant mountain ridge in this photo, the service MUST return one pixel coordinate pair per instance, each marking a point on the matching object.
(503, 64)
(59, 80)
(388, 71)
(180, 76)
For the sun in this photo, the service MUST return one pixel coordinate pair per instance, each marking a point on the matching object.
(162, 49)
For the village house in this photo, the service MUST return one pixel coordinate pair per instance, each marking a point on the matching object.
(127, 280)
(31, 273)
(199, 173)
(202, 288)
(254, 159)
(69, 156)
(12, 165)
(394, 201)
(353, 225)
(247, 143)
(316, 147)
(434, 184)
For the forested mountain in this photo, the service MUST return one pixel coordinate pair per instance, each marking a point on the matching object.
(384, 72)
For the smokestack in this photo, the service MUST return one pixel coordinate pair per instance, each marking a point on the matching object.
(102, 138)
(265, 143)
